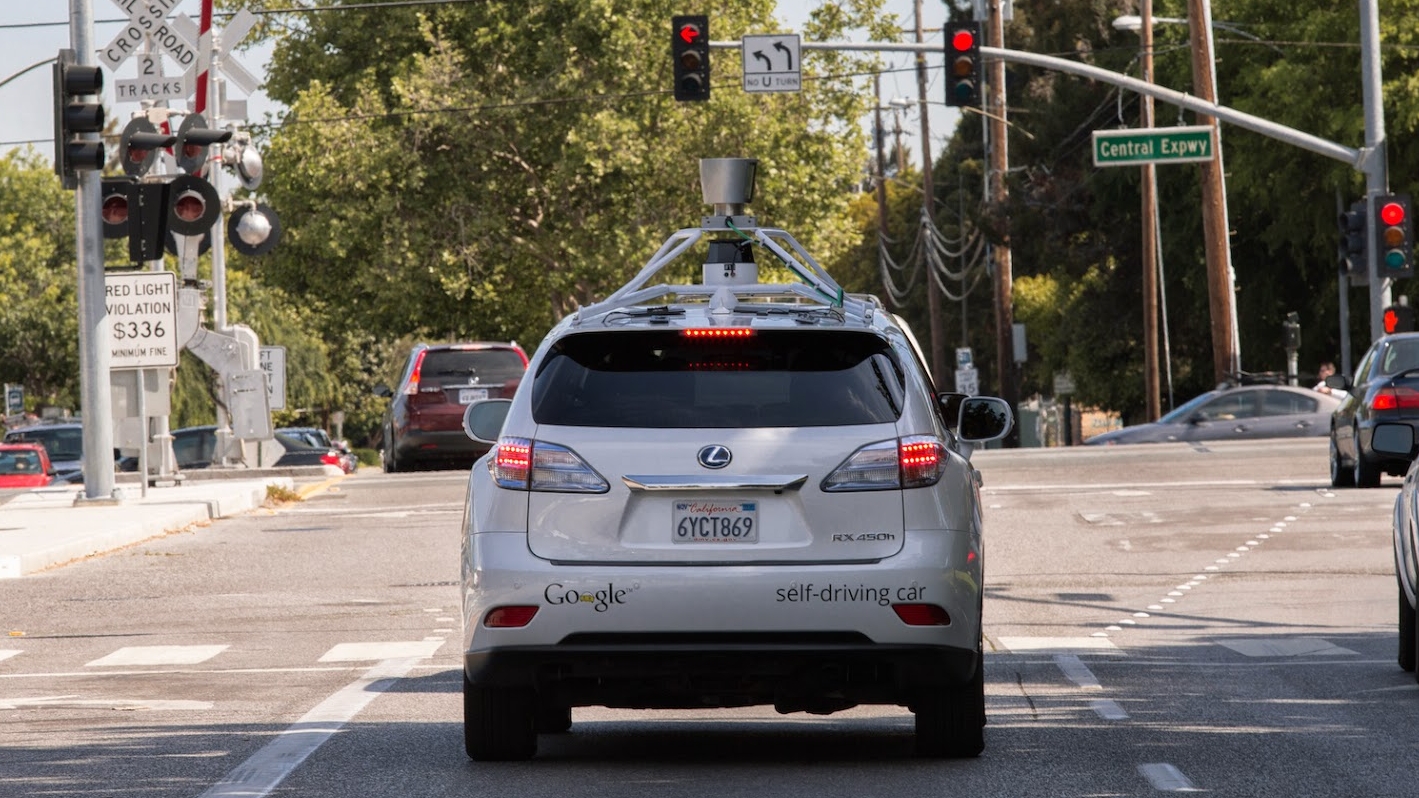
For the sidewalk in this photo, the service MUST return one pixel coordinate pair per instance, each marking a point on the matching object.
(46, 527)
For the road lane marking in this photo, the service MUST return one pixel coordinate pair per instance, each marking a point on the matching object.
(9, 652)
(1166, 778)
(1076, 671)
(1020, 644)
(371, 652)
(1287, 647)
(157, 655)
(1108, 709)
(74, 702)
(268, 767)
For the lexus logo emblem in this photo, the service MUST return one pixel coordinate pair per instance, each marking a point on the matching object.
(714, 456)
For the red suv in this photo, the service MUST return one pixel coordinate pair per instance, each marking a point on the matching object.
(424, 422)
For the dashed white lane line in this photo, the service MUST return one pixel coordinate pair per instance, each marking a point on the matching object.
(9, 652)
(268, 767)
(1076, 671)
(1166, 778)
(1108, 709)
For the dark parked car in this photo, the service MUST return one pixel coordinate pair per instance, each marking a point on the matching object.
(63, 440)
(319, 438)
(424, 422)
(1240, 412)
(1385, 388)
(196, 447)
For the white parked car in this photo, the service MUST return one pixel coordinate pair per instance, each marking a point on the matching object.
(725, 494)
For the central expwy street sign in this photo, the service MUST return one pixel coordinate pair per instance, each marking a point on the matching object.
(1153, 145)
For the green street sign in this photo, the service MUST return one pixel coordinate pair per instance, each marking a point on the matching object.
(1153, 145)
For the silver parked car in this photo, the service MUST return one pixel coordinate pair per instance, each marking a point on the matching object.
(1240, 412)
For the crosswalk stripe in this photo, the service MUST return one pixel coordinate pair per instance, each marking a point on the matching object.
(157, 655)
(375, 652)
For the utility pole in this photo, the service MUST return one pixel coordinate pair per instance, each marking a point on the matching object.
(1152, 393)
(933, 298)
(95, 392)
(881, 160)
(1376, 161)
(1226, 358)
(999, 194)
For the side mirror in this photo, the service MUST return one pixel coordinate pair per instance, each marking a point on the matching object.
(383, 391)
(951, 406)
(1393, 439)
(1338, 382)
(983, 418)
(483, 420)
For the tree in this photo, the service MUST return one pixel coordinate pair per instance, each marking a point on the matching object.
(39, 322)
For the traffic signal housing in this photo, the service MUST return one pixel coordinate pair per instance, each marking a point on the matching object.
(1398, 318)
(76, 111)
(963, 67)
(1394, 236)
(689, 47)
(1353, 238)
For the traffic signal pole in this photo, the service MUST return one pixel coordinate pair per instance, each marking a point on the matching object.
(1376, 166)
(95, 393)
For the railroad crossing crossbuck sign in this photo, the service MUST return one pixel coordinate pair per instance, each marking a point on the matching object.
(771, 63)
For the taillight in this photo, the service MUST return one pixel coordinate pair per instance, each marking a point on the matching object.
(510, 617)
(523, 464)
(412, 389)
(331, 458)
(912, 462)
(922, 614)
(717, 333)
(1392, 398)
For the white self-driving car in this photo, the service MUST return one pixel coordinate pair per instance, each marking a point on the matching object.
(725, 494)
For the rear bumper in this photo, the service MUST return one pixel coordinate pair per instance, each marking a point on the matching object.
(643, 672)
(415, 445)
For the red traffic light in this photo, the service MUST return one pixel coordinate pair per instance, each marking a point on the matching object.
(689, 34)
(963, 40)
(1392, 213)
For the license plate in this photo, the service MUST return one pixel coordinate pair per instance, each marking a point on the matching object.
(715, 522)
(467, 396)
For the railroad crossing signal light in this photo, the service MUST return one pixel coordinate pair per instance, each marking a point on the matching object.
(1395, 235)
(254, 229)
(689, 46)
(139, 145)
(76, 111)
(1398, 318)
(963, 68)
(1353, 239)
(194, 138)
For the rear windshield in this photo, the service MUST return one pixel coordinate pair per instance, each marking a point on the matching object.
(776, 378)
(445, 367)
(62, 443)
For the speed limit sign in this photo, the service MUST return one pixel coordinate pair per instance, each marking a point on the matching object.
(142, 319)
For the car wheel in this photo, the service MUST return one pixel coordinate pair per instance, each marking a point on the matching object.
(387, 458)
(1340, 476)
(1367, 474)
(553, 719)
(950, 722)
(1407, 622)
(498, 723)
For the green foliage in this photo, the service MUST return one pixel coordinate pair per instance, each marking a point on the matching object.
(39, 327)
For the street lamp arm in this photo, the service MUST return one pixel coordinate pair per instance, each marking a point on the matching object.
(1353, 157)
(29, 68)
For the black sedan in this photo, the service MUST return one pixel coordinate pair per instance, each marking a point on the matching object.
(1241, 412)
(1385, 389)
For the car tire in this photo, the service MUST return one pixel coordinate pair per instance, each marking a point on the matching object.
(1408, 619)
(553, 719)
(388, 460)
(1340, 476)
(950, 722)
(498, 723)
(1366, 473)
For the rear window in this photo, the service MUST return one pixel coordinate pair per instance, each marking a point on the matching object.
(775, 378)
(445, 367)
(62, 443)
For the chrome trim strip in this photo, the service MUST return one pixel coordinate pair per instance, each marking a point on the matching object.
(774, 482)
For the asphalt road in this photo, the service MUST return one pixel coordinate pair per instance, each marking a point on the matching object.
(1158, 618)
